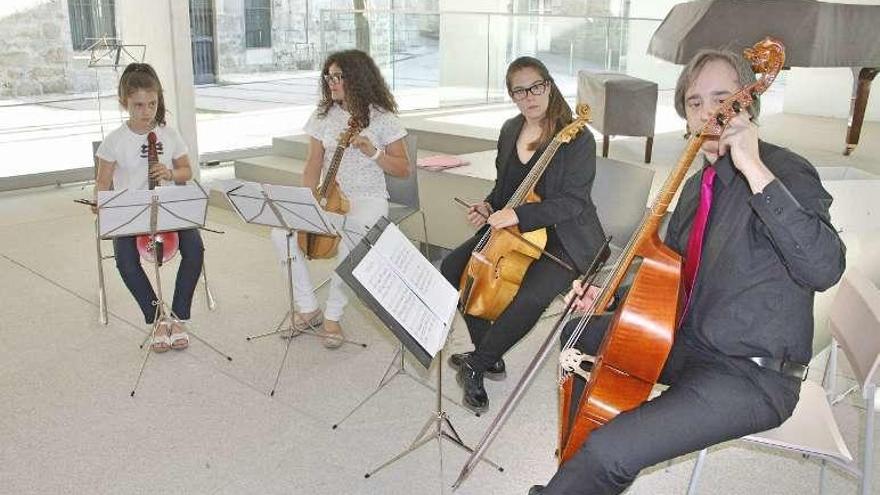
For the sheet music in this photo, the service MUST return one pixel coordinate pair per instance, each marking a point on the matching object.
(182, 206)
(124, 212)
(297, 206)
(408, 286)
(127, 212)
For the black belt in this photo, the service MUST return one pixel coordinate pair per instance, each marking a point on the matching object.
(786, 367)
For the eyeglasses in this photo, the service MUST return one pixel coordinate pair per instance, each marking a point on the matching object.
(536, 89)
(334, 78)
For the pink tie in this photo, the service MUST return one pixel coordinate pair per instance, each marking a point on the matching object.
(698, 231)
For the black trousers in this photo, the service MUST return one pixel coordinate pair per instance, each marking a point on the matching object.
(710, 399)
(543, 281)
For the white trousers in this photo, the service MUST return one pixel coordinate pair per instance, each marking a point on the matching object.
(365, 211)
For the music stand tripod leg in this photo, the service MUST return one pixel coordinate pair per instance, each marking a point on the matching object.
(387, 377)
(157, 317)
(440, 420)
(162, 309)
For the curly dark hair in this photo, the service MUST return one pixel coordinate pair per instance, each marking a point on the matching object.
(364, 85)
(142, 76)
(558, 110)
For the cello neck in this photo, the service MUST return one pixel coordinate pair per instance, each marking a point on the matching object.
(341, 145)
(650, 224)
(152, 158)
(534, 175)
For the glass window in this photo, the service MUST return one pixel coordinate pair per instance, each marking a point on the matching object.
(257, 24)
(90, 19)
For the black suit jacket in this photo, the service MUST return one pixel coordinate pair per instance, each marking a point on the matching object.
(764, 256)
(566, 204)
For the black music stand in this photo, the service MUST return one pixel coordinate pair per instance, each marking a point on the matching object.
(417, 304)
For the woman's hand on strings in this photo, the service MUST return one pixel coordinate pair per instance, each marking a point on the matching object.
(503, 218)
(583, 298)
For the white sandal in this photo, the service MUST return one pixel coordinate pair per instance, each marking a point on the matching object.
(315, 321)
(161, 342)
(179, 340)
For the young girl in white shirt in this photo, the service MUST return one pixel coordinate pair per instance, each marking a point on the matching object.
(123, 164)
(351, 86)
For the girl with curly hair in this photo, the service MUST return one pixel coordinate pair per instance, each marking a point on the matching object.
(351, 87)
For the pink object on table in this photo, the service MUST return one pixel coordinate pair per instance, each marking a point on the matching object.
(441, 162)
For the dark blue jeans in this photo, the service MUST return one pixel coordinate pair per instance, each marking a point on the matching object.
(128, 263)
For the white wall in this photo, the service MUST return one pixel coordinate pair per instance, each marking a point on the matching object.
(163, 25)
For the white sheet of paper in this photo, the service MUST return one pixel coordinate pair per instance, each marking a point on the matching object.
(127, 212)
(299, 209)
(123, 213)
(296, 205)
(182, 207)
(408, 286)
(248, 201)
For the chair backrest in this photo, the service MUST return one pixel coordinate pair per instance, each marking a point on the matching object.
(620, 193)
(855, 323)
(405, 190)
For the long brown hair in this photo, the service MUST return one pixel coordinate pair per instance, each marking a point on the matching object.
(142, 76)
(558, 111)
(364, 85)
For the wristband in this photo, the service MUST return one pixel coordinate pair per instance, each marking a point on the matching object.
(377, 154)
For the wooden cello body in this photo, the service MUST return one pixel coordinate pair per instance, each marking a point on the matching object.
(147, 245)
(331, 199)
(499, 261)
(641, 333)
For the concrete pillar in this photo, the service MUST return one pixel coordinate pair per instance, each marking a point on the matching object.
(163, 26)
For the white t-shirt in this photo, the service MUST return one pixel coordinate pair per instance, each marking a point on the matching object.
(129, 150)
(358, 176)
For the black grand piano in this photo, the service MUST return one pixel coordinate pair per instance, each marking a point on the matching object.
(816, 34)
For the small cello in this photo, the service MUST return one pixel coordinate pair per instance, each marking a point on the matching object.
(166, 243)
(499, 262)
(331, 199)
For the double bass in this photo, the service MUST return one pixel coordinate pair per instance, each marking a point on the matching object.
(499, 262)
(639, 338)
(331, 199)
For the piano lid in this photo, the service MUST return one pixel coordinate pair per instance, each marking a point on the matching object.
(815, 34)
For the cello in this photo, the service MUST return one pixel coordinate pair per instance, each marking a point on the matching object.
(165, 243)
(637, 343)
(331, 199)
(498, 262)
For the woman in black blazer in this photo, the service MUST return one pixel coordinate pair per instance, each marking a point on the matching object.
(574, 233)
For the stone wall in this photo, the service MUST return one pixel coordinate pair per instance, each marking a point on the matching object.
(288, 50)
(37, 57)
(35, 50)
(300, 40)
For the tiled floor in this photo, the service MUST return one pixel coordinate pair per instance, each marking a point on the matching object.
(201, 424)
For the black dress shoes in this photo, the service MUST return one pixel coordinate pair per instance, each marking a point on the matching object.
(471, 381)
(498, 371)
(536, 490)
